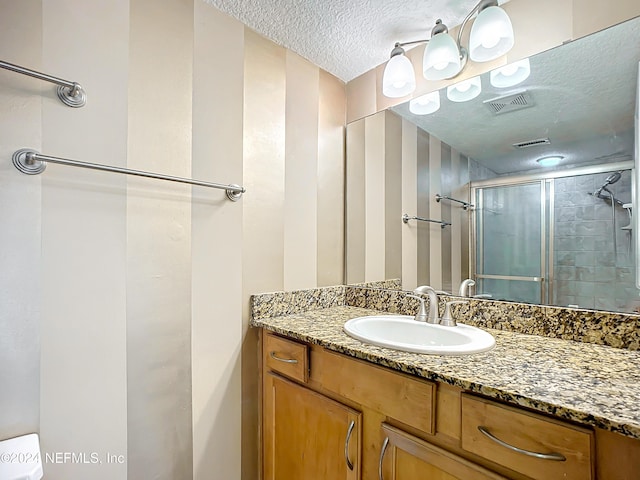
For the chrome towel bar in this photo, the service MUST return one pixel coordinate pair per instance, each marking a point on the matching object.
(406, 218)
(32, 163)
(70, 93)
(465, 205)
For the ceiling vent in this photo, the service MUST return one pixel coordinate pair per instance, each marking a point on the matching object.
(532, 143)
(510, 103)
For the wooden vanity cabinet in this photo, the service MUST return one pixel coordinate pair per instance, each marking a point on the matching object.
(307, 435)
(328, 416)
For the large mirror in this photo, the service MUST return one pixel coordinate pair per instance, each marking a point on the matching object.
(532, 182)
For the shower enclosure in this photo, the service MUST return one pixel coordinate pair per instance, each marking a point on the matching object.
(511, 251)
(563, 240)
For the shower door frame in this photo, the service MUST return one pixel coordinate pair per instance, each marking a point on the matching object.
(546, 244)
(544, 177)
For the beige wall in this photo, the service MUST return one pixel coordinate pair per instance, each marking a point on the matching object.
(124, 301)
(294, 163)
(393, 168)
(20, 206)
(538, 25)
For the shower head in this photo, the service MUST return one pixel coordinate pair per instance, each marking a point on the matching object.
(613, 178)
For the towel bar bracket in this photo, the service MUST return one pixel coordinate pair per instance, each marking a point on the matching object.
(25, 161)
(70, 93)
(72, 96)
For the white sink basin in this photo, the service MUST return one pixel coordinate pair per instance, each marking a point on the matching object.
(402, 332)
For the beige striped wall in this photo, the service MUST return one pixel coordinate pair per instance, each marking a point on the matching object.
(124, 301)
(393, 167)
(294, 163)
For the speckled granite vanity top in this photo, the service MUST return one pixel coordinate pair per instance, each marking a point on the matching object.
(587, 383)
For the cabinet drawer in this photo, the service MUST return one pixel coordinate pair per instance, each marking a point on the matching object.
(401, 397)
(531, 444)
(286, 357)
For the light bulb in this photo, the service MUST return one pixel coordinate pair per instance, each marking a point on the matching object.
(511, 74)
(425, 104)
(465, 90)
(463, 86)
(509, 69)
(490, 40)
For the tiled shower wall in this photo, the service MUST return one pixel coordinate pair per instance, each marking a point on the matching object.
(590, 270)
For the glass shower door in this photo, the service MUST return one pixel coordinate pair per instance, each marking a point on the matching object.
(510, 242)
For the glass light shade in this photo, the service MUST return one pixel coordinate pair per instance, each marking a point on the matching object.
(491, 35)
(441, 58)
(425, 104)
(399, 78)
(551, 161)
(511, 74)
(465, 90)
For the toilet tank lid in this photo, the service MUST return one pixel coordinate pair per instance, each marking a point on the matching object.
(20, 458)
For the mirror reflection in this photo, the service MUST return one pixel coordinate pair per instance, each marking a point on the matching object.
(543, 149)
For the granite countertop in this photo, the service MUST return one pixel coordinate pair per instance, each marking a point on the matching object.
(586, 383)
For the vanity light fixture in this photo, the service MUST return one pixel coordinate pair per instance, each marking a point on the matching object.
(491, 37)
(510, 75)
(425, 104)
(465, 90)
(398, 79)
(442, 58)
(550, 161)
(491, 34)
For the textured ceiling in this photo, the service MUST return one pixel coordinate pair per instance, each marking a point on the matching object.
(584, 96)
(345, 38)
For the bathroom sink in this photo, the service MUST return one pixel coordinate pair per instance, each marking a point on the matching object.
(402, 332)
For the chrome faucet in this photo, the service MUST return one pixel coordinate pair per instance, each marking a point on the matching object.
(432, 316)
(464, 287)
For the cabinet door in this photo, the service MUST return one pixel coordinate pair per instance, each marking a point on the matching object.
(405, 457)
(307, 435)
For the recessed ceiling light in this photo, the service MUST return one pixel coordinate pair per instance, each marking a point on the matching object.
(550, 161)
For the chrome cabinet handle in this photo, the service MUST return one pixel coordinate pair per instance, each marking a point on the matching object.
(286, 360)
(382, 452)
(346, 444)
(545, 456)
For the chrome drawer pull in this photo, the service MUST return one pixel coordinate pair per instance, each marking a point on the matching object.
(382, 451)
(346, 444)
(285, 360)
(545, 456)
